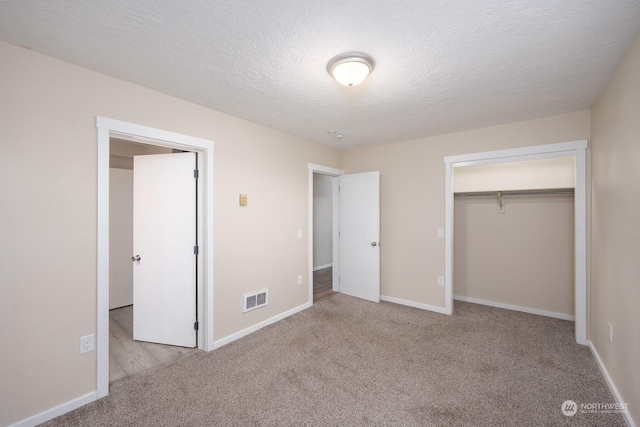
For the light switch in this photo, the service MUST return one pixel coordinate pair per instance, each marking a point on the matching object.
(440, 233)
(299, 233)
(243, 200)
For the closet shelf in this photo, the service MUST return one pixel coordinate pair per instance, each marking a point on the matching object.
(541, 192)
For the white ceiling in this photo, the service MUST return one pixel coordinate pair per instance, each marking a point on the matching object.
(441, 65)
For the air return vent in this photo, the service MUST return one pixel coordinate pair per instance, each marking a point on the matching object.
(254, 300)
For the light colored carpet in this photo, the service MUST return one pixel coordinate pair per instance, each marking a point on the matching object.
(347, 362)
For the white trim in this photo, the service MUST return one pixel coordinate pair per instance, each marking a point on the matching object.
(515, 158)
(580, 247)
(575, 149)
(142, 133)
(106, 128)
(518, 152)
(52, 413)
(516, 308)
(335, 237)
(448, 241)
(102, 293)
(413, 304)
(243, 333)
(322, 267)
(323, 170)
(610, 383)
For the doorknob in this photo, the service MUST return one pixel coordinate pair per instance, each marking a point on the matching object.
(374, 244)
(135, 258)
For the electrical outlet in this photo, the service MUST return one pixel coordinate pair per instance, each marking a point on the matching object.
(299, 280)
(440, 281)
(87, 344)
(610, 332)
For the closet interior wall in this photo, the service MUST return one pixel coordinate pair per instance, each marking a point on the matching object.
(520, 254)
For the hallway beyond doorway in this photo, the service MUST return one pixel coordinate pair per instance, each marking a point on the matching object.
(322, 284)
(128, 357)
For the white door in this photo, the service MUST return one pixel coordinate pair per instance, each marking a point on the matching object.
(360, 235)
(164, 236)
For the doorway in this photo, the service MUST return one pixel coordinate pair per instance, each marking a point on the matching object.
(355, 232)
(149, 349)
(322, 237)
(108, 128)
(328, 262)
(576, 149)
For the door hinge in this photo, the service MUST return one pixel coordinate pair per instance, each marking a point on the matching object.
(196, 326)
(196, 250)
(196, 173)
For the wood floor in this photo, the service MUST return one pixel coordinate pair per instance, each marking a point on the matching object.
(322, 284)
(128, 357)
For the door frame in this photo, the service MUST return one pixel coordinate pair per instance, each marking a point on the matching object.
(106, 128)
(575, 149)
(325, 170)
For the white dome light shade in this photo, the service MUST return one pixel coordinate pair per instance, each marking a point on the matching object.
(350, 69)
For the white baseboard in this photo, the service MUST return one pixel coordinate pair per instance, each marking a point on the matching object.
(610, 383)
(321, 267)
(516, 308)
(50, 414)
(413, 304)
(224, 341)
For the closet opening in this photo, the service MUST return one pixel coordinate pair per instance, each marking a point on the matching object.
(514, 236)
(515, 230)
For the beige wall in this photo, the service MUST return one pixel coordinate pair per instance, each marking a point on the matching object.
(615, 233)
(523, 257)
(412, 195)
(527, 174)
(322, 220)
(48, 227)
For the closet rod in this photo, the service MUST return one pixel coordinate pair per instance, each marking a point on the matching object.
(545, 192)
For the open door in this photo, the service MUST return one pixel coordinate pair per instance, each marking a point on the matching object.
(164, 247)
(360, 235)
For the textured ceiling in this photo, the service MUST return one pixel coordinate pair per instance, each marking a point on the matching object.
(441, 65)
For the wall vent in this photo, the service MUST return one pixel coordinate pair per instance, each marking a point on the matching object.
(254, 300)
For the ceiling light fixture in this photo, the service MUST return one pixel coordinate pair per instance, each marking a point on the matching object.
(350, 69)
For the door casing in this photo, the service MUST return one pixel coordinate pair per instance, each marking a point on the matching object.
(137, 133)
